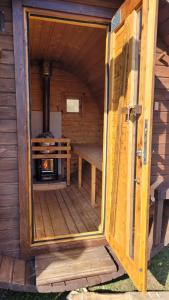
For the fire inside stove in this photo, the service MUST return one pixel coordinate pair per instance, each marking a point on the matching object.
(47, 169)
(47, 165)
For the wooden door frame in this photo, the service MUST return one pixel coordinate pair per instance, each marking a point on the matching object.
(23, 112)
(80, 12)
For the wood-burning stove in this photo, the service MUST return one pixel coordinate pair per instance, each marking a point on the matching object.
(46, 168)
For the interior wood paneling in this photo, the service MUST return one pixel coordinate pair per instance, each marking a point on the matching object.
(65, 84)
(83, 54)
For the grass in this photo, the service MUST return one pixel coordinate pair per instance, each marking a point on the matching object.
(158, 279)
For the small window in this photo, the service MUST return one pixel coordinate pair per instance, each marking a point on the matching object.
(72, 105)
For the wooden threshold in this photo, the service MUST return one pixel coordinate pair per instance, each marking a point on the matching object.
(74, 268)
(52, 186)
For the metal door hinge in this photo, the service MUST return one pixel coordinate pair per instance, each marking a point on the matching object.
(132, 112)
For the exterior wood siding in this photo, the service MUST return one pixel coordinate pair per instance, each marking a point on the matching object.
(9, 204)
(160, 153)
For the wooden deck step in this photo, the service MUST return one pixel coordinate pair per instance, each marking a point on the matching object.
(74, 268)
(17, 274)
(60, 271)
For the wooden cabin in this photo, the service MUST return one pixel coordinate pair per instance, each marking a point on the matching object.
(83, 141)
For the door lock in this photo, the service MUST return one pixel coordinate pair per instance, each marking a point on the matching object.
(137, 180)
(139, 153)
(132, 112)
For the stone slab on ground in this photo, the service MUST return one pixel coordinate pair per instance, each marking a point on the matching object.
(125, 296)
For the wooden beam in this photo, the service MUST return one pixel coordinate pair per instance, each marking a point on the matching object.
(49, 186)
(72, 8)
(50, 140)
(105, 3)
(22, 125)
(38, 156)
(71, 22)
(128, 6)
(125, 10)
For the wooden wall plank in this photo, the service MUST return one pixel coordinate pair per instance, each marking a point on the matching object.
(8, 189)
(7, 99)
(22, 130)
(6, 42)
(8, 176)
(8, 113)
(8, 139)
(8, 125)
(160, 146)
(7, 71)
(7, 85)
(7, 57)
(8, 151)
(9, 227)
(7, 201)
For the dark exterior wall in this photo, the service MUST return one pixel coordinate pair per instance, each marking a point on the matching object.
(9, 204)
(160, 147)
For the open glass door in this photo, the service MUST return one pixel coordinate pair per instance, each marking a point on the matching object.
(132, 42)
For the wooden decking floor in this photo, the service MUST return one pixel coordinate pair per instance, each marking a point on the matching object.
(70, 266)
(63, 212)
(17, 274)
(59, 271)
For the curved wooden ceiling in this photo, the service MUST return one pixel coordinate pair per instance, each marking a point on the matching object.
(78, 49)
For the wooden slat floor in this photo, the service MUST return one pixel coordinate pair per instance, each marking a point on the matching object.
(65, 211)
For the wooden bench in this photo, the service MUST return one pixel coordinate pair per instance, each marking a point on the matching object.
(93, 155)
(161, 193)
